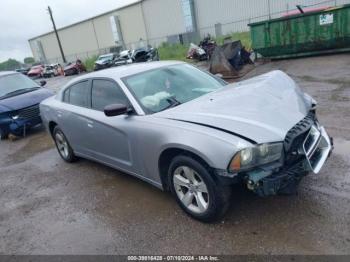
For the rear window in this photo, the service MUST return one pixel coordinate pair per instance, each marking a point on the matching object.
(77, 94)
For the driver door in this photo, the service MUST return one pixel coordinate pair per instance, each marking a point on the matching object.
(109, 137)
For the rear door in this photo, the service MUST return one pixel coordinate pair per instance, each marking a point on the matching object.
(73, 116)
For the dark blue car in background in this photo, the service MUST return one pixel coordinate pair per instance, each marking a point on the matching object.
(19, 103)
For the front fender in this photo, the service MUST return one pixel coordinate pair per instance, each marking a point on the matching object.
(187, 148)
(215, 147)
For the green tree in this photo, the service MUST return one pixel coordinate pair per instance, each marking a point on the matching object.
(29, 60)
(10, 65)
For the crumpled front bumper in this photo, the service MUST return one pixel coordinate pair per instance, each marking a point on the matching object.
(18, 127)
(316, 149)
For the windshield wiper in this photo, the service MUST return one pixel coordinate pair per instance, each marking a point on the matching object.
(173, 102)
(18, 91)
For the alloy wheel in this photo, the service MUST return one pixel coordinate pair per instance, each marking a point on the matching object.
(191, 189)
(62, 145)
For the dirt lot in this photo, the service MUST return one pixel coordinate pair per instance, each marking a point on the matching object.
(50, 207)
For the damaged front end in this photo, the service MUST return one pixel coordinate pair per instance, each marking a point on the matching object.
(306, 148)
(19, 121)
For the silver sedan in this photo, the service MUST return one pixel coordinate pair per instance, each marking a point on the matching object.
(189, 132)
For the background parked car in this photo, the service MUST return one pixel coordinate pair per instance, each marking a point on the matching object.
(23, 71)
(19, 103)
(124, 58)
(145, 55)
(58, 69)
(50, 71)
(74, 68)
(104, 61)
(36, 71)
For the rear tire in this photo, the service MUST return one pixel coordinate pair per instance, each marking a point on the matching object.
(63, 147)
(195, 190)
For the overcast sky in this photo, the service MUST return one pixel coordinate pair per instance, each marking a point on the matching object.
(23, 19)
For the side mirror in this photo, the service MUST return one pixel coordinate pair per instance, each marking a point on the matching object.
(115, 110)
(43, 83)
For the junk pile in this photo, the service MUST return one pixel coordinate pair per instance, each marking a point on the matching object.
(197, 53)
(228, 59)
(144, 54)
(202, 52)
(208, 45)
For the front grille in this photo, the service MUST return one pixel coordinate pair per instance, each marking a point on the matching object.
(29, 112)
(296, 136)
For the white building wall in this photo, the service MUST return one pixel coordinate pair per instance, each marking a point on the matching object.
(49, 44)
(132, 24)
(103, 31)
(163, 18)
(93, 36)
(225, 12)
(235, 15)
(78, 39)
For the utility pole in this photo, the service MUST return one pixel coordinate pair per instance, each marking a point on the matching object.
(58, 38)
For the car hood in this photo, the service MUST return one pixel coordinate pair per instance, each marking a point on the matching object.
(262, 109)
(24, 100)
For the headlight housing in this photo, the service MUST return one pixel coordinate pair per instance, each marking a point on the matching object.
(14, 115)
(256, 156)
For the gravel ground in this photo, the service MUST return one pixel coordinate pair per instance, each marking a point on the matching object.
(50, 207)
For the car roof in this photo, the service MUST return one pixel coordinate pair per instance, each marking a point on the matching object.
(127, 70)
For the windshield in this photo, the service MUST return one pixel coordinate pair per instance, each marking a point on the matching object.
(15, 84)
(158, 89)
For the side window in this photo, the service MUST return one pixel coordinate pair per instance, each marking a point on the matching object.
(106, 93)
(78, 94)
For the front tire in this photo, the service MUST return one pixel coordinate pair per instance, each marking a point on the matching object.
(63, 147)
(195, 190)
(3, 135)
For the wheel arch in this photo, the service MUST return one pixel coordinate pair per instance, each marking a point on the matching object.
(52, 125)
(169, 154)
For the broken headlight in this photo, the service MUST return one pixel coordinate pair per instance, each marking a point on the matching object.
(256, 156)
